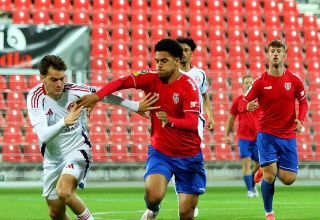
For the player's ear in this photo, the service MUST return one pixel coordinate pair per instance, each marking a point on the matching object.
(42, 77)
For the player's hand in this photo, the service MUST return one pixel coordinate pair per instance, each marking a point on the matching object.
(211, 124)
(228, 140)
(146, 104)
(73, 115)
(88, 101)
(298, 129)
(252, 106)
(162, 116)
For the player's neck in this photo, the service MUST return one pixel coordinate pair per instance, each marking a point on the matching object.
(185, 67)
(174, 76)
(276, 70)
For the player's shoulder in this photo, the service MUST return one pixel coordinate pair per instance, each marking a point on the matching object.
(187, 82)
(293, 75)
(73, 87)
(38, 89)
(198, 69)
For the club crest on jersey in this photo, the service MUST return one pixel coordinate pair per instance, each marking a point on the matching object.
(287, 86)
(175, 97)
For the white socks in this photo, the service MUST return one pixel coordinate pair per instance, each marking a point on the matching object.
(85, 215)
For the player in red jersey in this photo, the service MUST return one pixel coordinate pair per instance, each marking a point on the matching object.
(247, 134)
(175, 142)
(277, 89)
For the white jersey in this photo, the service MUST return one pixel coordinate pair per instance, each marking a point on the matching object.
(42, 108)
(200, 78)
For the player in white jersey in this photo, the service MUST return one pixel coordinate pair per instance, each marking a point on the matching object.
(63, 136)
(200, 78)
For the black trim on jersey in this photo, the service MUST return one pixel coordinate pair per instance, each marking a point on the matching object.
(86, 139)
(85, 155)
(43, 149)
(204, 78)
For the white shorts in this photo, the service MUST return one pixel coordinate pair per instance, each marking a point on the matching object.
(77, 164)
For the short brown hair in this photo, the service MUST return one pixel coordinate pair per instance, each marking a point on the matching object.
(53, 61)
(277, 44)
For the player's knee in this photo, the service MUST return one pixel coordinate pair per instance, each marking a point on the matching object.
(55, 215)
(64, 194)
(288, 180)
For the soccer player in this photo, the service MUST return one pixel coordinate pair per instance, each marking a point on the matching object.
(276, 91)
(199, 76)
(63, 136)
(175, 141)
(247, 133)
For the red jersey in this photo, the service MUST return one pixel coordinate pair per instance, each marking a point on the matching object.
(175, 99)
(276, 97)
(248, 121)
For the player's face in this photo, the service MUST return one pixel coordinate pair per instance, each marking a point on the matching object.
(276, 55)
(166, 64)
(247, 82)
(54, 83)
(187, 53)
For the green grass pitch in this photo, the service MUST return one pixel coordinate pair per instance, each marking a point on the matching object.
(221, 203)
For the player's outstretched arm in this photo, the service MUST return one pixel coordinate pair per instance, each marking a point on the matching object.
(88, 101)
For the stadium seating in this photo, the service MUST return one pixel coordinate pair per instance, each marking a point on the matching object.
(253, 6)
(62, 4)
(15, 117)
(32, 153)
(118, 134)
(139, 6)
(5, 5)
(99, 153)
(101, 5)
(119, 153)
(18, 82)
(61, 17)
(81, 17)
(16, 100)
(21, 17)
(11, 153)
(3, 83)
(223, 152)
(139, 151)
(139, 20)
(101, 19)
(3, 105)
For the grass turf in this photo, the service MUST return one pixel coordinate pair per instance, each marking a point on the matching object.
(222, 203)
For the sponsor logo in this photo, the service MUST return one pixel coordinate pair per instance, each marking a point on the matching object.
(175, 97)
(268, 87)
(287, 86)
(193, 104)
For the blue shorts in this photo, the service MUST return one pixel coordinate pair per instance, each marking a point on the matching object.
(273, 149)
(248, 149)
(190, 175)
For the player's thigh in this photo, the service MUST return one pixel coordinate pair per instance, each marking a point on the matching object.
(187, 201)
(245, 148)
(288, 156)
(67, 183)
(287, 177)
(156, 186)
(268, 151)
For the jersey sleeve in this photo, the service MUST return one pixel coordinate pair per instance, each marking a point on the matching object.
(300, 91)
(234, 108)
(204, 85)
(191, 97)
(35, 112)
